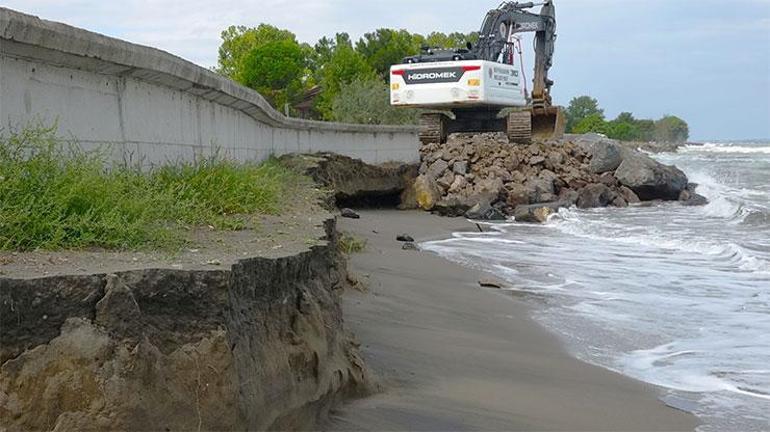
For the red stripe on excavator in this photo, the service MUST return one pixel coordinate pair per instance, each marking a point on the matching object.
(400, 72)
(471, 68)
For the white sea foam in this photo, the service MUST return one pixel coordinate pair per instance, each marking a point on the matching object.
(725, 148)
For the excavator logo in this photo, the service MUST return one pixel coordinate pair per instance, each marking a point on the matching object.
(436, 75)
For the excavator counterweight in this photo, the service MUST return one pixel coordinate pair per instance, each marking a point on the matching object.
(473, 87)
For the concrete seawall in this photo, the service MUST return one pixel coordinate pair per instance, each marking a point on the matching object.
(147, 106)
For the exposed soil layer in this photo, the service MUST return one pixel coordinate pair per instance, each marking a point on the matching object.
(248, 343)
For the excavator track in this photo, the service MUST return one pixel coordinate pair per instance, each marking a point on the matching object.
(433, 128)
(519, 127)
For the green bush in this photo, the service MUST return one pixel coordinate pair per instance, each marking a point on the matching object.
(368, 102)
(58, 197)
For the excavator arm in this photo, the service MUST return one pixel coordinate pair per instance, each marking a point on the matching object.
(511, 18)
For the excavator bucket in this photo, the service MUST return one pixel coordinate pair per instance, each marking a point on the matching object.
(548, 123)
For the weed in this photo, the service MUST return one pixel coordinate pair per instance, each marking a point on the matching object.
(55, 196)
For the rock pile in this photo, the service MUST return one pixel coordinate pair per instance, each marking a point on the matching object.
(484, 176)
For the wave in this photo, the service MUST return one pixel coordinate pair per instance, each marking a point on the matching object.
(733, 255)
(725, 148)
(733, 204)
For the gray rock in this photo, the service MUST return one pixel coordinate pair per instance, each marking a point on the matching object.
(350, 214)
(446, 180)
(649, 179)
(436, 169)
(608, 179)
(692, 199)
(569, 197)
(517, 195)
(410, 247)
(458, 184)
(460, 167)
(536, 213)
(540, 189)
(491, 283)
(606, 155)
(594, 196)
(629, 195)
(484, 211)
(620, 202)
(406, 238)
(454, 206)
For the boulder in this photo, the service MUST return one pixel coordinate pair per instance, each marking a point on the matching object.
(540, 190)
(536, 213)
(488, 190)
(406, 238)
(692, 199)
(446, 180)
(594, 196)
(620, 202)
(606, 155)
(460, 167)
(517, 195)
(454, 206)
(485, 212)
(436, 169)
(458, 184)
(649, 179)
(608, 179)
(427, 192)
(349, 214)
(629, 195)
(568, 197)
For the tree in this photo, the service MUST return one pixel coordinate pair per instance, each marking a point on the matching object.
(671, 129)
(580, 108)
(324, 49)
(276, 70)
(646, 129)
(623, 127)
(622, 130)
(368, 102)
(592, 123)
(625, 117)
(452, 40)
(237, 41)
(386, 47)
(345, 65)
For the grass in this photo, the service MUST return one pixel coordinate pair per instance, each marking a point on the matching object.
(350, 244)
(55, 197)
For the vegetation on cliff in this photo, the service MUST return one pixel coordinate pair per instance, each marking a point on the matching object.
(59, 198)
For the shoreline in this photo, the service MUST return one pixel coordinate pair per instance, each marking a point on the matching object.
(449, 357)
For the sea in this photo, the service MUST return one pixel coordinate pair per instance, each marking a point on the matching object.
(678, 297)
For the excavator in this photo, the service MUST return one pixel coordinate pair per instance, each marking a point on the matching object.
(479, 88)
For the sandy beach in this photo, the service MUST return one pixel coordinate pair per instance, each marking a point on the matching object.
(450, 355)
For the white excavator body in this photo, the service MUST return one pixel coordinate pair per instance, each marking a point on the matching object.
(456, 84)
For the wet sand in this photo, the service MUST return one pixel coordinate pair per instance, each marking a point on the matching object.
(450, 355)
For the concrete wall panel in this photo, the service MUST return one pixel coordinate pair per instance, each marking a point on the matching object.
(141, 104)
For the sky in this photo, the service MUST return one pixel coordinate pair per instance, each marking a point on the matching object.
(707, 61)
